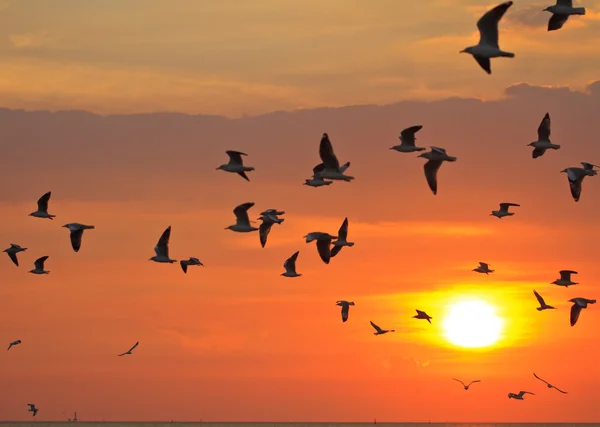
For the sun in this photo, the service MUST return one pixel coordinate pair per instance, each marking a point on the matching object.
(472, 324)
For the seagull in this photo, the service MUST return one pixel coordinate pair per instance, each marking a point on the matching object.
(77, 233)
(565, 278)
(273, 212)
(341, 240)
(467, 385)
(265, 227)
(130, 350)
(33, 409)
(323, 244)
(488, 38)
(330, 168)
(590, 167)
(407, 140)
(162, 248)
(423, 315)
(483, 268)
(543, 143)
(520, 395)
(17, 342)
(236, 164)
(242, 222)
(39, 266)
(576, 175)
(13, 251)
(578, 305)
(548, 384)
(42, 210)
(543, 305)
(290, 266)
(317, 182)
(436, 157)
(380, 331)
(346, 309)
(503, 211)
(192, 261)
(561, 12)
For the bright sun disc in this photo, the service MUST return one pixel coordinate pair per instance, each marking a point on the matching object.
(472, 324)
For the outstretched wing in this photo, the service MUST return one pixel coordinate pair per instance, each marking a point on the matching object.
(162, 247)
(343, 231)
(377, 328)
(241, 212)
(544, 128)
(575, 312)
(556, 388)
(43, 202)
(557, 21)
(335, 250)
(540, 300)
(290, 263)
(474, 381)
(408, 135)
(431, 169)
(76, 239)
(542, 380)
(345, 311)
(324, 248)
(327, 155)
(13, 257)
(488, 24)
(455, 379)
(134, 346)
(39, 263)
(263, 232)
(235, 157)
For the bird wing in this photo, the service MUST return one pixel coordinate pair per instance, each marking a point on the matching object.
(521, 393)
(241, 213)
(327, 155)
(474, 381)
(318, 169)
(235, 157)
(421, 313)
(575, 187)
(263, 232)
(43, 202)
(542, 380)
(483, 265)
(537, 152)
(438, 149)
(484, 63)
(39, 263)
(408, 135)
(13, 256)
(345, 311)
(377, 328)
(568, 3)
(544, 128)
(455, 379)
(162, 247)
(539, 298)
(184, 266)
(575, 311)
(76, 239)
(431, 168)
(343, 231)
(324, 248)
(566, 274)
(557, 21)
(290, 263)
(335, 250)
(505, 206)
(243, 175)
(488, 24)
(556, 388)
(134, 346)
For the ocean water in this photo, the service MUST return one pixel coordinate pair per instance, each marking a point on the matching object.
(207, 424)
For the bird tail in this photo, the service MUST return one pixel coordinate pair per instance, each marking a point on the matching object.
(51, 216)
(350, 244)
(579, 11)
(507, 54)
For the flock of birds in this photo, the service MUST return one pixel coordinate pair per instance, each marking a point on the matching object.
(329, 170)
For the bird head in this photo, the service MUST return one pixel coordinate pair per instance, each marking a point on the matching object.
(66, 225)
(422, 155)
(530, 144)
(466, 50)
(351, 303)
(546, 9)
(220, 167)
(564, 170)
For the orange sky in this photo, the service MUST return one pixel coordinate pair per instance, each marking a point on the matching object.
(234, 340)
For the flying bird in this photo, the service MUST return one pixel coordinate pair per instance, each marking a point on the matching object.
(236, 164)
(466, 386)
(436, 157)
(130, 350)
(187, 262)
(543, 142)
(488, 38)
(346, 309)
(578, 305)
(520, 395)
(242, 221)
(273, 212)
(39, 266)
(342, 239)
(77, 233)
(330, 167)
(162, 248)
(561, 12)
(483, 268)
(565, 278)
(548, 384)
(379, 331)
(265, 227)
(42, 210)
(407, 140)
(323, 244)
(32, 409)
(422, 315)
(317, 182)
(13, 251)
(543, 305)
(576, 176)
(590, 167)
(10, 345)
(290, 266)
(503, 211)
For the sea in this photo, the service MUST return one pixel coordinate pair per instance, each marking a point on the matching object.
(240, 424)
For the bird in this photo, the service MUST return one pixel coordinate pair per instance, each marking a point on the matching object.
(236, 164)
(561, 12)
(346, 309)
(192, 261)
(323, 244)
(520, 395)
(32, 409)
(42, 210)
(330, 167)
(379, 331)
(273, 212)
(576, 176)
(436, 157)
(503, 211)
(466, 386)
(290, 266)
(341, 239)
(162, 248)
(543, 305)
(407, 140)
(13, 251)
(565, 278)
(39, 266)
(543, 142)
(590, 167)
(130, 350)
(265, 227)
(242, 221)
(579, 304)
(488, 38)
(422, 315)
(317, 182)
(548, 384)
(10, 345)
(483, 268)
(76, 230)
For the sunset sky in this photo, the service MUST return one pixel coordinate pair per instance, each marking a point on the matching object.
(163, 88)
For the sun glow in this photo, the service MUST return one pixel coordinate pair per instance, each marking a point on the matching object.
(472, 324)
